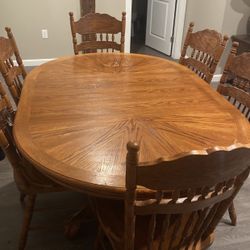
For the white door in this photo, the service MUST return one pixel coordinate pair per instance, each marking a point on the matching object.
(160, 24)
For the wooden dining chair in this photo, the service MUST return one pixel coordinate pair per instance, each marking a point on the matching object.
(237, 69)
(187, 197)
(28, 180)
(202, 51)
(98, 33)
(13, 74)
(235, 86)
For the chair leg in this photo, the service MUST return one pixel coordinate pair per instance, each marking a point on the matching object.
(28, 212)
(232, 214)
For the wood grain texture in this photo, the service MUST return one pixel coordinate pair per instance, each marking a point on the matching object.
(76, 128)
(202, 51)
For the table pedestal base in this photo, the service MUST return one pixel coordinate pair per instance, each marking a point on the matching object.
(73, 224)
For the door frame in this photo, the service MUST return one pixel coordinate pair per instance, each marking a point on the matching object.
(178, 27)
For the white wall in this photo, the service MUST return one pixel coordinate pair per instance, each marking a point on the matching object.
(205, 13)
(111, 7)
(235, 20)
(236, 16)
(28, 17)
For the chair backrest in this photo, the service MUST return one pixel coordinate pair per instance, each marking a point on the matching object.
(12, 74)
(7, 142)
(98, 33)
(183, 189)
(235, 81)
(202, 51)
(237, 69)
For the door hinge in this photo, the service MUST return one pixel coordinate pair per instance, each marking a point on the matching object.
(172, 39)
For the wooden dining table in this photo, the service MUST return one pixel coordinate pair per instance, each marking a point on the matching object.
(77, 113)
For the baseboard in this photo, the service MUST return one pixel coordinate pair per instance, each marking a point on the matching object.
(35, 62)
(216, 78)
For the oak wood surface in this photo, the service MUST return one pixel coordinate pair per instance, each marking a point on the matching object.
(76, 115)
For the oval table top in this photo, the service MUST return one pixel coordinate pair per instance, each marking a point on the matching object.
(76, 115)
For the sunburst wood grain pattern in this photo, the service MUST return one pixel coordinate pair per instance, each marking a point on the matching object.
(77, 114)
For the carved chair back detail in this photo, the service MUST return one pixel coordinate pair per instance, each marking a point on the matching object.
(98, 33)
(237, 69)
(202, 51)
(190, 194)
(235, 81)
(12, 74)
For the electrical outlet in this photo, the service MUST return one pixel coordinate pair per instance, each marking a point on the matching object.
(45, 34)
